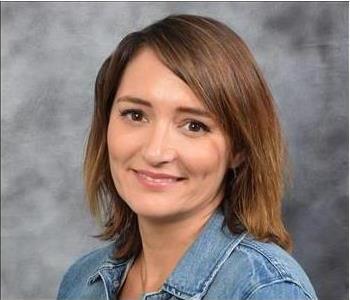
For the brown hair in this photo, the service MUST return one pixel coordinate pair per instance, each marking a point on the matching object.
(217, 65)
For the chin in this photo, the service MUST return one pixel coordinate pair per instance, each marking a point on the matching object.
(154, 211)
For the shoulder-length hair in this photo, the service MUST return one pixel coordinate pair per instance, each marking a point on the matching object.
(218, 66)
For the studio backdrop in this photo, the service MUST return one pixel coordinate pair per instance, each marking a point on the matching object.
(50, 55)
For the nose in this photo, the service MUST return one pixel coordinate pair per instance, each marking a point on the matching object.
(158, 148)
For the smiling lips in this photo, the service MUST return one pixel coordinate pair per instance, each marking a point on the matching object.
(151, 179)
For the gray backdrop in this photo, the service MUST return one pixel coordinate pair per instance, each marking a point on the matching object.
(50, 54)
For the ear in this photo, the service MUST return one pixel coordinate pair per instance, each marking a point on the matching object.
(237, 159)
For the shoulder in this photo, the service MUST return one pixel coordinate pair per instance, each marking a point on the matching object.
(266, 271)
(76, 277)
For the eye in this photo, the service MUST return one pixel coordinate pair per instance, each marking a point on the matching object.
(133, 115)
(196, 126)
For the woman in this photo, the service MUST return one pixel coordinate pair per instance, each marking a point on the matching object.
(185, 164)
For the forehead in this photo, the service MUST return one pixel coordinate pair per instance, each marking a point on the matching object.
(146, 77)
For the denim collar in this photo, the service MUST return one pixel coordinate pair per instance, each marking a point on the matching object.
(198, 267)
(111, 272)
(195, 271)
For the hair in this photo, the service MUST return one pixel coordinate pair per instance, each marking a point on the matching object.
(218, 66)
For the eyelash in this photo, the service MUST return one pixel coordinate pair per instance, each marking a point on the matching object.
(131, 112)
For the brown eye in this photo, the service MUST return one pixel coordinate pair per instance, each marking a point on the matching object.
(133, 115)
(195, 126)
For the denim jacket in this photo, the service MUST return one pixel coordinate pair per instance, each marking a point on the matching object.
(219, 265)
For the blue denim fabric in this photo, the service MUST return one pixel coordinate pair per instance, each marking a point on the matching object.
(219, 265)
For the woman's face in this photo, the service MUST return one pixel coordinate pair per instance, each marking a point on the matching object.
(167, 155)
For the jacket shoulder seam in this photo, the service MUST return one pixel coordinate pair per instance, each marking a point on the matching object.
(262, 285)
(281, 270)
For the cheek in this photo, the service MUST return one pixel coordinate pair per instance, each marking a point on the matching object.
(121, 143)
(207, 159)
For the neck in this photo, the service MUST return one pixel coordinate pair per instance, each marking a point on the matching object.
(166, 242)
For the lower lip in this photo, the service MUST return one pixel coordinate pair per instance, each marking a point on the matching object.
(155, 185)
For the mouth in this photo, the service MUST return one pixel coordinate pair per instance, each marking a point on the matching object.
(153, 180)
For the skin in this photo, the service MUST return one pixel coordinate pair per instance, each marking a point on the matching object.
(160, 138)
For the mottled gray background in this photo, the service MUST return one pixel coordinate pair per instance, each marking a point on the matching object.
(50, 54)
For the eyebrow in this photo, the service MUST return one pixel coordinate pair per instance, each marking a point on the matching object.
(182, 109)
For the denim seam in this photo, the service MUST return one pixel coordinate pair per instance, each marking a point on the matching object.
(175, 292)
(279, 267)
(92, 278)
(222, 259)
(105, 285)
(105, 266)
(262, 285)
